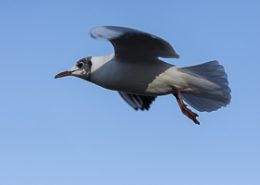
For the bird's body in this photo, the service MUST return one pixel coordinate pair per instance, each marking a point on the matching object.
(125, 76)
(137, 73)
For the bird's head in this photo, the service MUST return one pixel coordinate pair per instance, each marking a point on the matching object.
(81, 69)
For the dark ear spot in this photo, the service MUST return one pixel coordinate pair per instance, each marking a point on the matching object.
(89, 64)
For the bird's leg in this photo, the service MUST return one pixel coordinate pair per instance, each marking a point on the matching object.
(183, 106)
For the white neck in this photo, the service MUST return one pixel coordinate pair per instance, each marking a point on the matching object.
(99, 61)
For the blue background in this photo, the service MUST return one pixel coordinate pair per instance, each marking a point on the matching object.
(69, 131)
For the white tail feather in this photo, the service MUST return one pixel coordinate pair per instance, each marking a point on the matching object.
(207, 98)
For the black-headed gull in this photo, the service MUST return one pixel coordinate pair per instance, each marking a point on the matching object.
(139, 75)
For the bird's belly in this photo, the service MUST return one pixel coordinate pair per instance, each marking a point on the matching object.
(161, 85)
(143, 80)
(144, 85)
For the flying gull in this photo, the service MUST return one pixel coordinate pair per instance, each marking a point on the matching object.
(136, 71)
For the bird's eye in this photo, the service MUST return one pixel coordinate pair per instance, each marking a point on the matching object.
(80, 65)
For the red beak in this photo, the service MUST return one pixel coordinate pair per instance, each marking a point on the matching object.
(63, 74)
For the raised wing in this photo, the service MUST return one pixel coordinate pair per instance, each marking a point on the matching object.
(137, 101)
(129, 42)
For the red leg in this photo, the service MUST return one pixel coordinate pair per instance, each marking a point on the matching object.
(184, 108)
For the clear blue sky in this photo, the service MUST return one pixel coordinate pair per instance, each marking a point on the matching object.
(68, 131)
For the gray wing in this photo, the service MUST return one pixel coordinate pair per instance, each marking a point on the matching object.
(137, 101)
(137, 44)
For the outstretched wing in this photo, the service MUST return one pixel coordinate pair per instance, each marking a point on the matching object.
(137, 44)
(137, 101)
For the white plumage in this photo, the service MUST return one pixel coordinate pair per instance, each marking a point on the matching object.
(137, 73)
